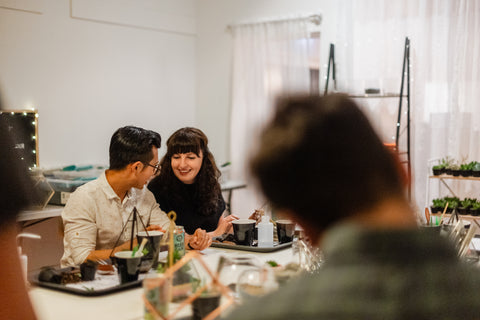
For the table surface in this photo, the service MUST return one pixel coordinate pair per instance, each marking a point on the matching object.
(52, 305)
(49, 211)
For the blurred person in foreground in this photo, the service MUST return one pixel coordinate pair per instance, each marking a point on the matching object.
(320, 162)
(15, 195)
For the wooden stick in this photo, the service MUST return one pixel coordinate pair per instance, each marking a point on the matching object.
(427, 215)
(443, 214)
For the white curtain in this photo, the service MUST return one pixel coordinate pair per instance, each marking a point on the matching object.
(268, 58)
(445, 77)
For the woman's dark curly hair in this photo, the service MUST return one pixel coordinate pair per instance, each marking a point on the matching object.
(207, 188)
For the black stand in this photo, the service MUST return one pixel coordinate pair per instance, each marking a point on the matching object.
(134, 216)
(401, 96)
(331, 62)
(406, 66)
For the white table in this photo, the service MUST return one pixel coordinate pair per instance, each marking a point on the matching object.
(52, 305)
(229, 186)
(31, 217)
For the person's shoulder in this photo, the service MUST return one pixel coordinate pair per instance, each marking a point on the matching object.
(283, 303)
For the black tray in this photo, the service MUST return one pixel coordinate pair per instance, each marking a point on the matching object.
(276, 246)
(33, 278)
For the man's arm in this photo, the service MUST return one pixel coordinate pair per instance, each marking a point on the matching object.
(96, 255)
(80, 230)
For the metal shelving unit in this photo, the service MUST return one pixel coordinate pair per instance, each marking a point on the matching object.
(404, 95)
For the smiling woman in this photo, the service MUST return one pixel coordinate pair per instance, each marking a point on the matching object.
(186, 166)
(188, 184)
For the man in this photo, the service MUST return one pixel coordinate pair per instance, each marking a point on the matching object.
(320, 162)
(98, 211)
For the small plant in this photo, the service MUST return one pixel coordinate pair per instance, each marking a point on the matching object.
(453, 166)
(442, 166)
(272, 263)
(439, 203)
(476, 166)
(467, 202)
(476, 205)
(453, 202)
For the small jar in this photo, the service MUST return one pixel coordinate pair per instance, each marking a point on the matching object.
(178, 242)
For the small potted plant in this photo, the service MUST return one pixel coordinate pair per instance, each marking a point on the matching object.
(476, 169)
(465, 205)
(466, 169)
(453, 203)
(475, 208)
(438, 205)
(454, 169)
(438, 169)
(441, 167)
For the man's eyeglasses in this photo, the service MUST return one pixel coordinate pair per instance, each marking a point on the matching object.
(156, 168)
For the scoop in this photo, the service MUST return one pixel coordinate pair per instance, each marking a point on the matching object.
(140, 249)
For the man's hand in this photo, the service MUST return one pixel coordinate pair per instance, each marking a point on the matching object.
(200, 240)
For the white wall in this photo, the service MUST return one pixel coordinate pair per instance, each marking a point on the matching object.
(214, 53)
(87, 78)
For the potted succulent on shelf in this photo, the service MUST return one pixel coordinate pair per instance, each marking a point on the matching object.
(453, 169)
(475, 209)
(476, 169)
(453, 203)
(441, 168)
(438, 205)
(465, 205)
(466, 169)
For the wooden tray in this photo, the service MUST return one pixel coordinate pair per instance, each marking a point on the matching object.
(33, 278)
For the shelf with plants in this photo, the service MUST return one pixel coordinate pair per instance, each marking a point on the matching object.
(450, 169)
(464, 207)
(445, 176)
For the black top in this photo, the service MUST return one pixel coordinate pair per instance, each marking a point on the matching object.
(185, 206)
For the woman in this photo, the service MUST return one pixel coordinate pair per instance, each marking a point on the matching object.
(188, 184)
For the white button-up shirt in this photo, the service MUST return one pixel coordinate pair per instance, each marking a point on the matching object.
(94, 218)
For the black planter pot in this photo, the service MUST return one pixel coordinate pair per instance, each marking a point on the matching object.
(475, 173)
(437, 172)
(474, 212)
(463, 211)
(88, 270)
(203, 305)
(436, 209)
(465, 173)
(455, 173)
(448, 171)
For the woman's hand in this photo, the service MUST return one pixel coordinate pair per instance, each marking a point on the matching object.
(224, 225)
(200, 240)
